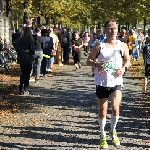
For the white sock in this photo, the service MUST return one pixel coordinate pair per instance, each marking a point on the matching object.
(102, 126)
(114, 120)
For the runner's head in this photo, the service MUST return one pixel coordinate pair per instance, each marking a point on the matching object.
(123, 30)
(130, 32)
(94, 35)
(76, 34)
(86, 34)
(98, 32)
(111, 29)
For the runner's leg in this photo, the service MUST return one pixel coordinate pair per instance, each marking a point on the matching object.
(115, 97)
(102, 105)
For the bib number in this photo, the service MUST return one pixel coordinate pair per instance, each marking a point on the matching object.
(110, 66)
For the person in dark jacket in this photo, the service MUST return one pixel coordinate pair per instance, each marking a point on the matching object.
(15, 36)
(25, 50)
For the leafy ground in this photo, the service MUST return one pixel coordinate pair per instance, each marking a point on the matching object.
(9, 101)
(137, 71)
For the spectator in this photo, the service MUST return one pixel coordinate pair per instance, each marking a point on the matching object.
(25, 49)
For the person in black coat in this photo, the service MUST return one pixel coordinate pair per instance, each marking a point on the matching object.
(25, 50)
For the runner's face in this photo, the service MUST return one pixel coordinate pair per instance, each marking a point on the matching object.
(123, 31)
(76, 35)
(111, 30)
(86, 34)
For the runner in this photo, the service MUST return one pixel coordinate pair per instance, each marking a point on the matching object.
(146, 55)
(135, 52)
(123, 38)
(86, 39)
(100, 36)
(91, 44)
(123, 35)
(77, 44)
(131, 41)
(108, 78)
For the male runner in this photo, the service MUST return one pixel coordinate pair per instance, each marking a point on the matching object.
(108, 78)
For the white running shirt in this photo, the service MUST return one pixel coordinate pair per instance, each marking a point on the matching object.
(111, 55)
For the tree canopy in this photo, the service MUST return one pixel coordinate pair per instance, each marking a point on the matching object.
(83, 12)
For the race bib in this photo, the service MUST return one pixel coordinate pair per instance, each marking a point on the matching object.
(110, 66)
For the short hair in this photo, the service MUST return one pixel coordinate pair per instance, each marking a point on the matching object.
(44, 31)
(76, 32)
(28, 21)
(37, 30)
(94, 34)
(124, 28)
(107, 22)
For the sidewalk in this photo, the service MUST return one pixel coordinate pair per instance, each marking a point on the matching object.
(61, 114)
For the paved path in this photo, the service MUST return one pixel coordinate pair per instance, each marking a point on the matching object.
(61, 114)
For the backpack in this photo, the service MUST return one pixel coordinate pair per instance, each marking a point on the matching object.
(24, 53)
(64, 39)
(48, 47)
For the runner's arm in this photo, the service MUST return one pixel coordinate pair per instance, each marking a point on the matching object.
(81, 45)
(90, 60)
(126, 55)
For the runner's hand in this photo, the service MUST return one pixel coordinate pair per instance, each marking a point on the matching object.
(120, 71)
(76, 47)
(100, 66)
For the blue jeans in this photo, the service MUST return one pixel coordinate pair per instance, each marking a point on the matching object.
(49, 61)
(37, 63)
(66, 52)
(140, 47)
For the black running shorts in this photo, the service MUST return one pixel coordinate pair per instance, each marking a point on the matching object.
(104, 92)
(147, 70)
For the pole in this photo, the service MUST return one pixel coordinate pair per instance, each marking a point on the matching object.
(144, 23)
(17, 18)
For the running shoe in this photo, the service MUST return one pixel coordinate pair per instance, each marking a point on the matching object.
(103, 143)
(26, 93)
(115, 139)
